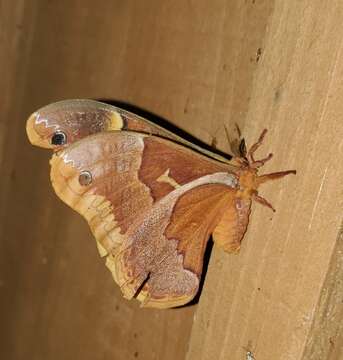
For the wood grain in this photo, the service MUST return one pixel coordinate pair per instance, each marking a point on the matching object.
(278, 298)
(272, 64)
(54, 302)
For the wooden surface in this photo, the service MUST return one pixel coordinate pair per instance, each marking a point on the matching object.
(201, 64)
(281, 298)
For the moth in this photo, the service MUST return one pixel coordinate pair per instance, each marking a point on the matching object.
(152, 200)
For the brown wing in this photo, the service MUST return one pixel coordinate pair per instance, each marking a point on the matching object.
(160, 262)
(166, 165)
(72, 120)
(101, 178)
(233, 224)
(60, 124)
(112, 199)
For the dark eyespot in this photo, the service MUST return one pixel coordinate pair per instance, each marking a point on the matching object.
(85, 178)
(59, 138)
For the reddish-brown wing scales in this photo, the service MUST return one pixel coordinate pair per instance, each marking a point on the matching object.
(195, 216)
(132, 227)
(157, 254)
(166, 167)
(60, 124)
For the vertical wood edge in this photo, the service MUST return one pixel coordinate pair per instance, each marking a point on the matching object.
(327, 327)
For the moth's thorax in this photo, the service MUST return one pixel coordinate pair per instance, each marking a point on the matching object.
(247, 183)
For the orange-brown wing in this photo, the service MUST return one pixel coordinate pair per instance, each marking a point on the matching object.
(60, 124)
(167, 165)
(153, 244)
(129, 172)
(233, 224)
(160, 262)
(98, 177)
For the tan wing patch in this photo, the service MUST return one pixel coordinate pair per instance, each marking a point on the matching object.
(166, 178)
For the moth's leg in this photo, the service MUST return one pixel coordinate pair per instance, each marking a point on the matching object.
(273, 176)
(255, 146)
(259, 163)
(261, 200)
(269, 177)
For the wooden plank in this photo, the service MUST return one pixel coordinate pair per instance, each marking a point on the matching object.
(58, 300)
(280, 298)
(56, 303)
(325, 337)
(198, 64)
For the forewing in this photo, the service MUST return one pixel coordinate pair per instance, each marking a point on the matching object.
(129, 172)
(79, 118)
(155, 245)
(76, 119)
(167, 165)
(114, 197)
